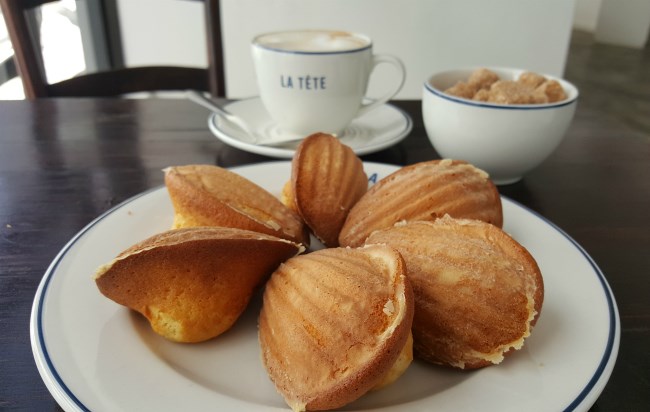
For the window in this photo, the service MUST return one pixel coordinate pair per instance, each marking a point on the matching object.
(63, 53)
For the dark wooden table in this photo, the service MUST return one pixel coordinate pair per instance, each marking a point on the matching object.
(64, 162)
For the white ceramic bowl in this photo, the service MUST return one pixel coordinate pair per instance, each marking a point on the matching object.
(504, 140)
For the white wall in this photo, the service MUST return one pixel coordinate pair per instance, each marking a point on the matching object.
(428, 35)
(586, 15)
(618, 22)
(165, 32)
(624, 23)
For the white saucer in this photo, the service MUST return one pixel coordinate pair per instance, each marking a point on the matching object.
(374, 131)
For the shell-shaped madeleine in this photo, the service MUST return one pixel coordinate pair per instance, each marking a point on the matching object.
(206, 195)
(478, 292)
(423, 191)
(192, 284)
(327, 179)
(333, 323)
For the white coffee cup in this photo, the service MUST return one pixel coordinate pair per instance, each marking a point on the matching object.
(316, 80)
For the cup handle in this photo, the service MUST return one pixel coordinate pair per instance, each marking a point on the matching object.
(397, 63)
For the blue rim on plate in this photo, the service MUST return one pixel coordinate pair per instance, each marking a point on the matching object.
(64, 394)
(37, 335)
(614, 323)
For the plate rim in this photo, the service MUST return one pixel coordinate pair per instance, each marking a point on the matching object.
(283, 153)
(67, 399)
(608, 360)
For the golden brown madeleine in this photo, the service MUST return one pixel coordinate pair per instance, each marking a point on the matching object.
(206, 195)
(423, 191)
(399, 367)
(333, 324)
(192, 284)
(327, 179)
(477, 291)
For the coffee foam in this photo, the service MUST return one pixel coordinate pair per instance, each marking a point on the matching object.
(313, 41)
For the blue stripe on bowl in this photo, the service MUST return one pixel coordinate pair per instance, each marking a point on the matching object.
(498, 106)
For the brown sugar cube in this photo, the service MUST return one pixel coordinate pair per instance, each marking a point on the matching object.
(482, 78)
(539, 97)
(531, 79)
(553, 91)
(510, 92)
(461, 89)
(483, 95)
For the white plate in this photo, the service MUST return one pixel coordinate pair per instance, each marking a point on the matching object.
(96, 355)
(374, 131)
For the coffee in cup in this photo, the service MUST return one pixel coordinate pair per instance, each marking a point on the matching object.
(316, 80)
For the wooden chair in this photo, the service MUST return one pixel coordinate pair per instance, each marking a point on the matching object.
(117, 81)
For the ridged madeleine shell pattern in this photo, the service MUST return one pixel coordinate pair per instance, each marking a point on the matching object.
(333, 323)
(478, 292)
(206, 195)
(424, 191)
(327, 180)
